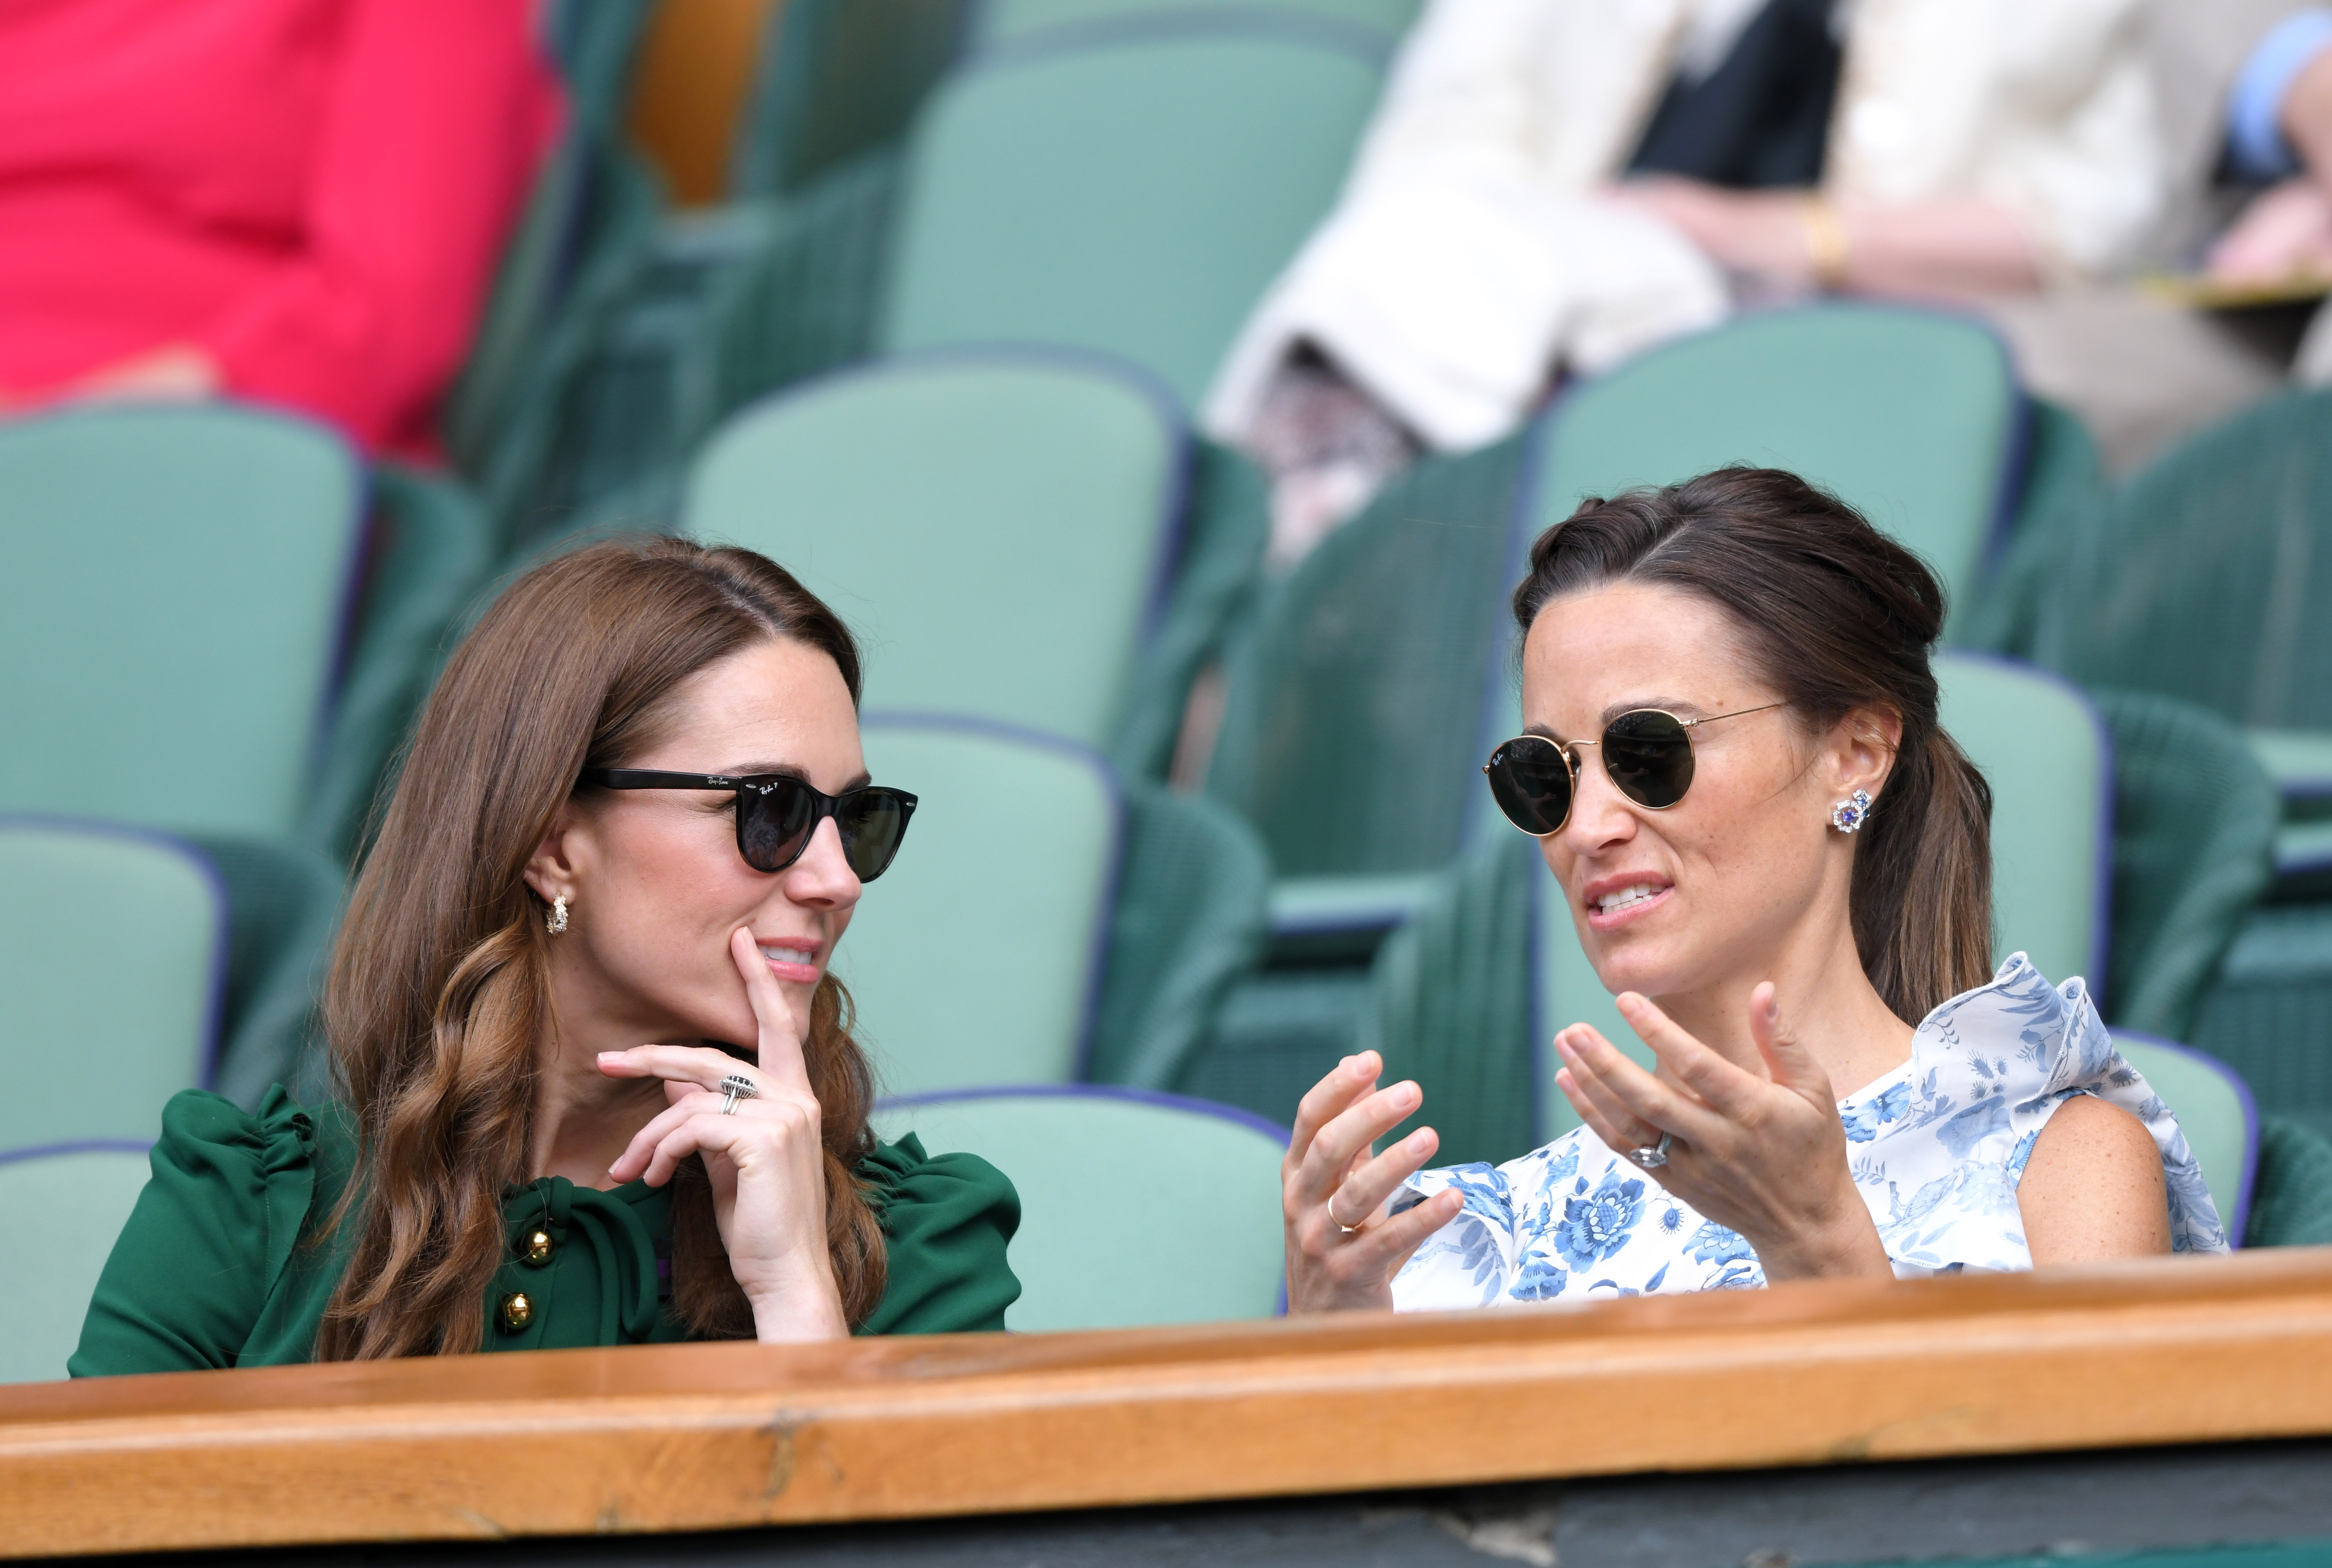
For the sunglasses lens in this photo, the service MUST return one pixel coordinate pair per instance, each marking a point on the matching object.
(1531, 782)
(1649, 755)
(774, 822)
(874, 822)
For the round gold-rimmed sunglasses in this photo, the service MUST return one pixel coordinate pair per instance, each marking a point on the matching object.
(1646, 755)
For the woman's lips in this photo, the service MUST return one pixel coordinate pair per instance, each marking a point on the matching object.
(791, 963)
(1611, 908)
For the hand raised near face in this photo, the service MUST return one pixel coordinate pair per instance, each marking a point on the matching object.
(766, 1158)
(1343, 1245)
(1758, 1149)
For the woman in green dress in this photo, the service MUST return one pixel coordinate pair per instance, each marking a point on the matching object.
(635, 810)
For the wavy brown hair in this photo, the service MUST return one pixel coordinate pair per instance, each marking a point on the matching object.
(1835, 615)
(438, 1003)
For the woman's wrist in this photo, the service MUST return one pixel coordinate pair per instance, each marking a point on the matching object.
(798, 1314)
(1845, 1247)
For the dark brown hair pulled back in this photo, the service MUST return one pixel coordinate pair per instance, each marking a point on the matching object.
(1835, 615)
(439, 992)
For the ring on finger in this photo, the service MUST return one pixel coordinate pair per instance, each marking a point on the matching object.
(1347, 1229)
(1652, 1156)
(737, 1086)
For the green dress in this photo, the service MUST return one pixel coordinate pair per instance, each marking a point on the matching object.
(219, 1264)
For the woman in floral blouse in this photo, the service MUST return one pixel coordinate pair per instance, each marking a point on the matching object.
(1781, 863)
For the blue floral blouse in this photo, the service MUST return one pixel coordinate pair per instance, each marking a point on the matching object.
(1936, 1147)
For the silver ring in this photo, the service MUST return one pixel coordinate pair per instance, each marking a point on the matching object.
(736, 1086)
(1652, 1156)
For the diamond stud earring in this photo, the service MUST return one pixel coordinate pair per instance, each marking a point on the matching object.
(556, 921)
(1848, 815)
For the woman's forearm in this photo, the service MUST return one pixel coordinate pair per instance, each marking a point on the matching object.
(1954, 247)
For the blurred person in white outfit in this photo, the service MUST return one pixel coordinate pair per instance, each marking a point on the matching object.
(1556, 185)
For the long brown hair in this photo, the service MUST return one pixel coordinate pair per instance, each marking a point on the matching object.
(1835, 615)
(439, 993)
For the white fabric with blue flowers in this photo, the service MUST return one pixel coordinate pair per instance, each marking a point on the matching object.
(1937, 1148)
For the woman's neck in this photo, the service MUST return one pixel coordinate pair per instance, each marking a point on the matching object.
(583, 1119)
(1828, 1005)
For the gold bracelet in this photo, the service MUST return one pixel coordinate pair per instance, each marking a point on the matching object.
(1826, 242)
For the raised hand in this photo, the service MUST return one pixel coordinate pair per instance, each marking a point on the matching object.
(1758, 1149)
(766, 1160)
(1342, 1247)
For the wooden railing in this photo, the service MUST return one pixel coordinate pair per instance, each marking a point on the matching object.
(687, 1437)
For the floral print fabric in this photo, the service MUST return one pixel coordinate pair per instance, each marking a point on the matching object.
(1935, 1147)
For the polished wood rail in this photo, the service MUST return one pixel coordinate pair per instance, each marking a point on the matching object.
(687, 1437)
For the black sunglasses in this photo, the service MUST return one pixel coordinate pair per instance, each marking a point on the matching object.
(1646, 755)
(777, 813)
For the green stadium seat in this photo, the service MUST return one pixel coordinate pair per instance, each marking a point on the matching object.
(1008, 21)
(976, 959)
(2201, 577)
(838, 80)
(1135, 1209)
(1134, 195)
(1910, 415)
(61, 1207)
(1189, 923)
(999, 528)
(171, 612)
(113, 961)
(2216, 1112)
(584, 238)
(2194, 826)
(432, 551)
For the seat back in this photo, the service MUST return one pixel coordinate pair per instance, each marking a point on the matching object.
(1134, 195)
(2214, 1110)
(1005, 21)
(1909, 414)
(1372, 652)
(173, 583)
(976, 959)
(2204, 577)
(60, 1208)
(838, 79)
(998, 528)
(2042, 749)
(113, 948)
(1136, 1208)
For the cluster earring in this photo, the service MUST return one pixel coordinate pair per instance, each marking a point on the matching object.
(1848, 815)
(556, 920)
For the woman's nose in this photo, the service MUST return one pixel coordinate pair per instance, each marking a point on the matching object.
(1600, 816)
(822, 877)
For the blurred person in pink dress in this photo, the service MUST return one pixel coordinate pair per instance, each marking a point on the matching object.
(296, 202)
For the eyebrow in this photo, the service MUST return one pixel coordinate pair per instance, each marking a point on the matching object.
(1677, 705)
(789, 770)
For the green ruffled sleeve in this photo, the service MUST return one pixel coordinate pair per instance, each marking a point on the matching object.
(193, 1272)
(947, 1220)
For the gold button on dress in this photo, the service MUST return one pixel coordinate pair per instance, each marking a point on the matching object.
(537, 1249)
(517, 1312)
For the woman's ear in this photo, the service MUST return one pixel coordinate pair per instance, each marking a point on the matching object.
(1863, 746)
(551, 869)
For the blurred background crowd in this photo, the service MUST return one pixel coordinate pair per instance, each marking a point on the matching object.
(1167, 390)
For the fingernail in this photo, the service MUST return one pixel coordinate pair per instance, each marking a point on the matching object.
(1417, 1141)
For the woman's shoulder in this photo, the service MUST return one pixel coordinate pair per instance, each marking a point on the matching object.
(947, 1219)
(197, 1269)
(2017, 1031)
(902, 1175)
(206, 1135)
